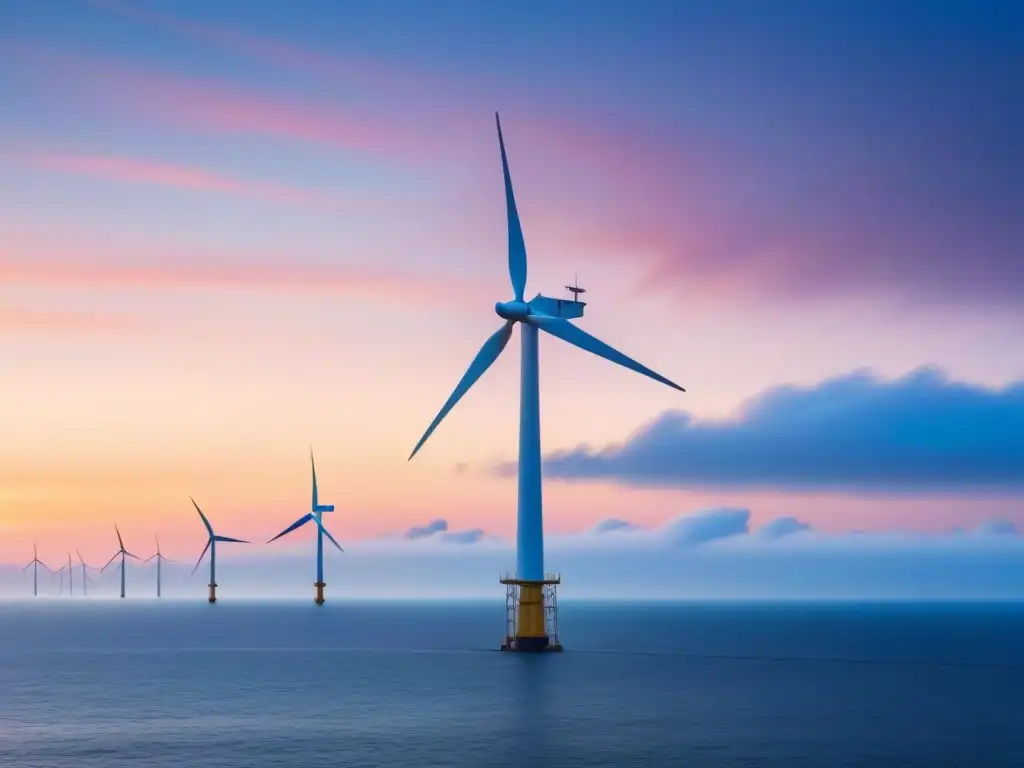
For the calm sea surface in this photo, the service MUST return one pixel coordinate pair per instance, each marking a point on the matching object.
(102, 684)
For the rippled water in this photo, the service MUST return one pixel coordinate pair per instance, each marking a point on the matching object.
(101, 684)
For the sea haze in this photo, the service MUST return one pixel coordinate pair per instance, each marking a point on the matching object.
(101, 684)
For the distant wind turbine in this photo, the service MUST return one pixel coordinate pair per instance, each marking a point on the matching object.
(159, 558)
(211, 544)
(316, 516)
(85, 576)
(34, 563)
(552, 316)
(71, 581)
(123, 553)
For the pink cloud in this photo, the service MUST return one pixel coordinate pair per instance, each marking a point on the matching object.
(700, 212)
(33, 319)
(82, 265)
(208, 106)
(613, 191)
(155, 172)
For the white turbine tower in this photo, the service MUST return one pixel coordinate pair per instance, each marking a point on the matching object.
(551, 316)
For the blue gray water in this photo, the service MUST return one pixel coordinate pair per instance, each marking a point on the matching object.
(95, 684)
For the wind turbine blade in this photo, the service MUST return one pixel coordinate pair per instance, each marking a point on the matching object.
(112, 559)
(119, 541)
(313, 465)
(484, 359)
(566, 331)
(148, 559)
(228, 538)
(28, 566)
(297, 524)
(328, 535)
(516, 244)
(209, 528)
(200, 560)
(129, 554)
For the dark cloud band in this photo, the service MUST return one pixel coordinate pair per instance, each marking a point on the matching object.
(919, 433)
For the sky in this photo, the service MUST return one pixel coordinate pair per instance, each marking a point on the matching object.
(233, 231)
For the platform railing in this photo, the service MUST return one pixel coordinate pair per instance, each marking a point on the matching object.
(512, 576)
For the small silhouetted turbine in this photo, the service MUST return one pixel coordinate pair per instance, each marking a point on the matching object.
(86, 581)
(123, 553)
(71, 581)
(34, 564)
(159, 557)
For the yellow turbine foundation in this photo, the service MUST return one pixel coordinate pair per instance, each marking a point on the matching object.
(532, 615)
(319, 599)
(213, 593)
(530, 612)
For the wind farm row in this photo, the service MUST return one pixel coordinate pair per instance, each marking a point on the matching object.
(530, 591)
(120, 558)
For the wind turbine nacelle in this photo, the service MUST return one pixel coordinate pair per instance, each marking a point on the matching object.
(565, 308)
(323, 508)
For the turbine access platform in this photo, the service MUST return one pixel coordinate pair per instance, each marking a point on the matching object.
(531, 614)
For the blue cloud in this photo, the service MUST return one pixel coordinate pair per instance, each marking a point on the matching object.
(997, 528)
(438, 530)
(921, 432)
(782, 526)
(423, 531)
(708, 525)
(612, 524)
(471, 536)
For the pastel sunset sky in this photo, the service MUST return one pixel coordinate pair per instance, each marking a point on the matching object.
(230, 231)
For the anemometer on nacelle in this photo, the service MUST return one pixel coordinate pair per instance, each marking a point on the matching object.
(566, 308)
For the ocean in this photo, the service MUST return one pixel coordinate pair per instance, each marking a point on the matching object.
(103, 683)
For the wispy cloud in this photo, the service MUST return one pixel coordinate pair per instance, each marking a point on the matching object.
(17, 320)
(156, 173)
(214, 106)
(922, 210)
(186, 274)
(437, 531)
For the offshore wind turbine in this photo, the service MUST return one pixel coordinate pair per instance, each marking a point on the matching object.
(123, 553)
(315, 515)
(552, 316)
(211, 544)
(159, 558)
(34, 563)
(85, 576)
(71, 581)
